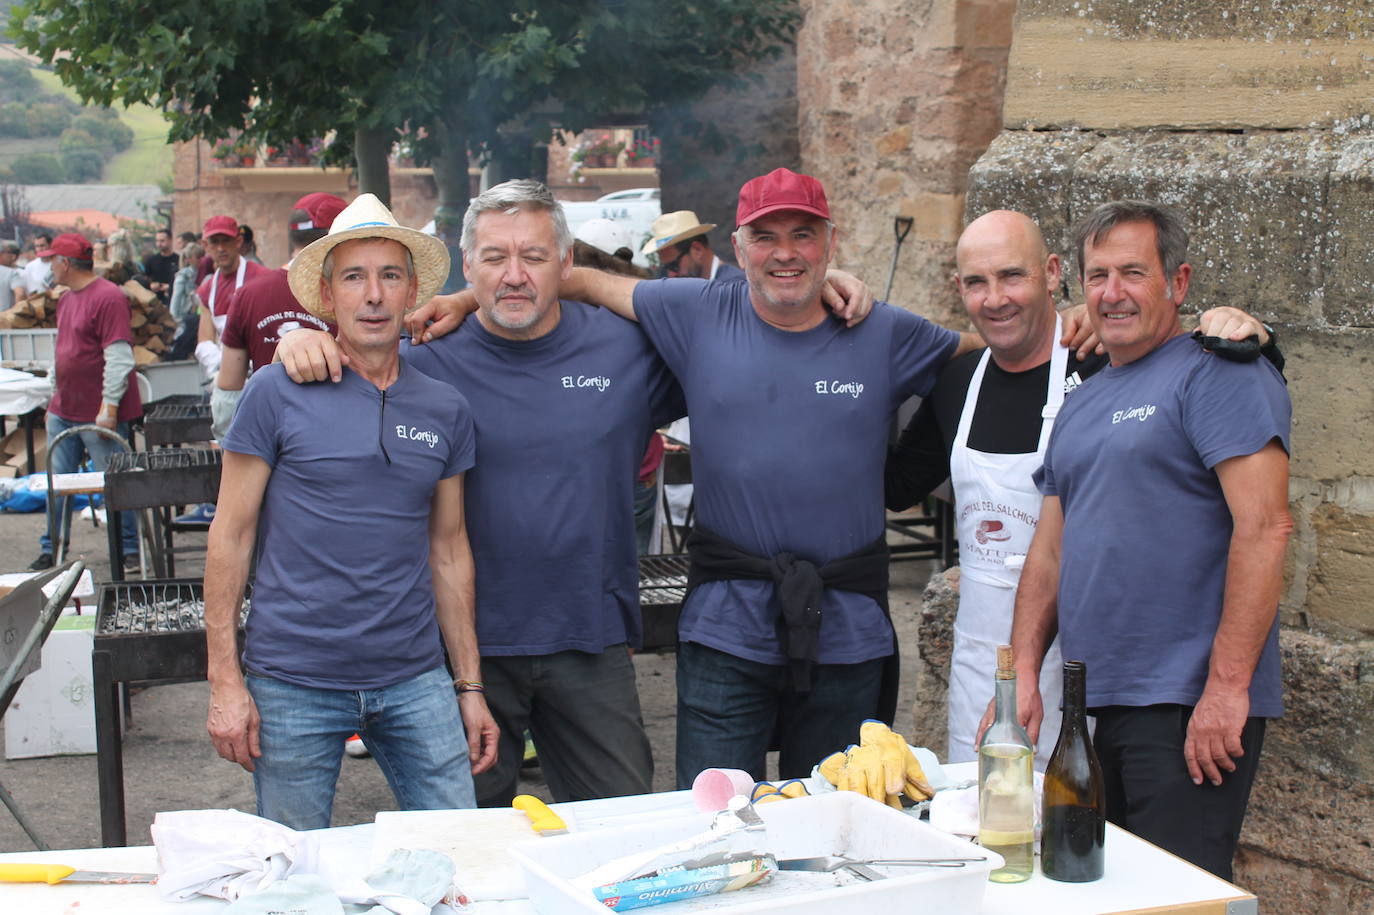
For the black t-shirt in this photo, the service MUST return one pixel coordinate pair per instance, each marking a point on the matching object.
(1005, 421)
(161, 268)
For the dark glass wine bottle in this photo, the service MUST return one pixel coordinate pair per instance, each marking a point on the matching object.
(1074, 808)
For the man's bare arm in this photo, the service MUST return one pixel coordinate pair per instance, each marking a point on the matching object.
(233, 719)
(233, 369)
(1035, 620)
(605, 290)
(1256, 490)
(455, 602)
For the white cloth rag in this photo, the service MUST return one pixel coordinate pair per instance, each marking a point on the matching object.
(226, 854)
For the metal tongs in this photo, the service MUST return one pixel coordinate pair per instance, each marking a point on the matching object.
(860, 866)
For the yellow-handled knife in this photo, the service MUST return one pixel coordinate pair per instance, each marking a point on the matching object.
(544, 820)
(61, 873)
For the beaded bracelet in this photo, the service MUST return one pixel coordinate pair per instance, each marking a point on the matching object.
(469, 686)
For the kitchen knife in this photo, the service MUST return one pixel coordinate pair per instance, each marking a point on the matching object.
(544, 820)
(61, 873)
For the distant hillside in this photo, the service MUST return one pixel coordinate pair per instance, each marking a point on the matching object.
(48, 137)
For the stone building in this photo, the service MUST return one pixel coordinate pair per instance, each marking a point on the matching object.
(1255, 121)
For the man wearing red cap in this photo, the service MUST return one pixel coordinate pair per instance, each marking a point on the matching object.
(785, 627)
(232, 270)
(92, 368)
(264, 306)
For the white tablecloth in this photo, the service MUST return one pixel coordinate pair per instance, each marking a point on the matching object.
(1139, 876)
(21, 392)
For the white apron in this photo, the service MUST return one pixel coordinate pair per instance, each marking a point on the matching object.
(221, 320)
(997, 506)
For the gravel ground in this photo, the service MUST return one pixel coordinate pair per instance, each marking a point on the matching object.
(169, 763)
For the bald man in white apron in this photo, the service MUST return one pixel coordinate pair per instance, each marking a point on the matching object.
(996, 507)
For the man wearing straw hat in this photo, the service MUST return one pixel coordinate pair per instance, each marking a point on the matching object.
(566, 397)
(679, 241)
(364, 573)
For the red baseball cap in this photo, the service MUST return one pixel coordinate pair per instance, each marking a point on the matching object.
(780, 189)
(220, 225)
(322, 209)
(69, 244)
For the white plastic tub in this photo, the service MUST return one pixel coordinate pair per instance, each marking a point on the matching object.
(842, 823)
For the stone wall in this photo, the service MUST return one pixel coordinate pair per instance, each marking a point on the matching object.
(897, 99)
(1254, 121)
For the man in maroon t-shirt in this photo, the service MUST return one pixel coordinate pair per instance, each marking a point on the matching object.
(232, 270)
(260, 311)
(93, 369)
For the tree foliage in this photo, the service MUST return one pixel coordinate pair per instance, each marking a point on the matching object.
(38, 168)
(459, 75)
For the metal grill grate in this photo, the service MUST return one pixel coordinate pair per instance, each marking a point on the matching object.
(662, 580)
(169, 412)
(168, 476)
(150, 607)
(166, 459)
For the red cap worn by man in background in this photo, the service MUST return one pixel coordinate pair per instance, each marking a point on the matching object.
(232, 270)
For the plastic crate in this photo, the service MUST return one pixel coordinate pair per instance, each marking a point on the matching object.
(36, 345)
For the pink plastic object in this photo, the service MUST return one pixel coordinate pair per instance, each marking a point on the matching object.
(713, 788)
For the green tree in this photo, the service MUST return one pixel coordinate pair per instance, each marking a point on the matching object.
(82, 164)
(486, 77)
(38, 168)
(16, 78)
(14, 120)
(48, 119)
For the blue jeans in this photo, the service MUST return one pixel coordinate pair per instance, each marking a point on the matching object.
(728, 709)
(413, 729)
(68, 457)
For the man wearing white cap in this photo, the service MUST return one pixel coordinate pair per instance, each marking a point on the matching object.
(359, 593)
(678, 240)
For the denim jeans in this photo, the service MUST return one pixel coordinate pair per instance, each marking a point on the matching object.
(728, 709)
(68, 458)
(413, 729)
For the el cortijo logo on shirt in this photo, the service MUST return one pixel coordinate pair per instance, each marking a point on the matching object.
(599, 382)
(415, 434)
(852, 388)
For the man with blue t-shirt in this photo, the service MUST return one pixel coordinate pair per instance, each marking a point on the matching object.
(1158, 557)
(785, 627)
(364, 572)
(565, 397)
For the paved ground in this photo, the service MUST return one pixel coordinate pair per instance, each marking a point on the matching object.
(170, 764)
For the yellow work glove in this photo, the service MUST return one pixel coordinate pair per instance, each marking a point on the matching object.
(831, 767)
(863, 773)
(767, 792)
(901, 771)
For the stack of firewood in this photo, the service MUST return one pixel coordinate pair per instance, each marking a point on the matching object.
(151, 324)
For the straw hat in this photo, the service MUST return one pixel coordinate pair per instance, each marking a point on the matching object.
(367, 217)
(671, 228)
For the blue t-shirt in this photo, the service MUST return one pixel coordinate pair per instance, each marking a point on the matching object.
(789, 435)
(562, 424)
(1146, 525)
(343, 597)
